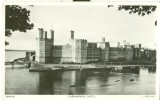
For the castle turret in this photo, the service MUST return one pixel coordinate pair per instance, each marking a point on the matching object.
(72, 34)
(104, 47)
(118, 44)
(40, 33)
(52, 36)
(139, 55)
(139, 46)
(46, 34)
(124, 42)
(103, 39)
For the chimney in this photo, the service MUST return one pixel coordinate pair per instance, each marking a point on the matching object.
(45, 34)
(103, 39)
(40, 33)
(72, 34)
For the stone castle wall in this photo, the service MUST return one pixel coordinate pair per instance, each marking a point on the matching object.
(93, 53)
(81, 51)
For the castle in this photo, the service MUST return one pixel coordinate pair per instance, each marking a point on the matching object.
(82, 51)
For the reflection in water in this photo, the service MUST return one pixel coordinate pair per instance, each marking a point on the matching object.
(135, 70)
(81, 78)
(133, 81)
(151, 70)
(45, 83)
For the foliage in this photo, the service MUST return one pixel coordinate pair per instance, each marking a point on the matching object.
(140, 10)
(16, 19)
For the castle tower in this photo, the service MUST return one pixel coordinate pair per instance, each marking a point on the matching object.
(118, 44)
(124, 43)
(72, 34)
(52, 36)
(79, 51)
(43, 51)
(139, 54)
(52, 44)
(45, 34)
(103, 39)
(71, 40)
(38, 44)
(40, 33)
(104, 49)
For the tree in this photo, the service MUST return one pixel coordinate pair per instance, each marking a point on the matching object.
(140, 10)
(16, 19)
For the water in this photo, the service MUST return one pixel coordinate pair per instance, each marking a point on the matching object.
(21, 81)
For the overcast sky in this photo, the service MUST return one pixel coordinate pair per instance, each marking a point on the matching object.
(88, 22)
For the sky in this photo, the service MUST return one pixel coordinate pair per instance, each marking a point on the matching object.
(88, 22)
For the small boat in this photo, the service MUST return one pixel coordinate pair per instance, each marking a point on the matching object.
(73, 85)
(117, 80)
(131, 80)
(104, 85)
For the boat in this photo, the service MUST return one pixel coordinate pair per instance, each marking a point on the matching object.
(73, 85)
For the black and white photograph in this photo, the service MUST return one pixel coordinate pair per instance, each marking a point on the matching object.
(80, 49)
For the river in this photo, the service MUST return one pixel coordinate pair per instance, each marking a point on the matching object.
(20, 81)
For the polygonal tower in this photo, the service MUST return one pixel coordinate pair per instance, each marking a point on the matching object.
(104, 49)
(44, 47)
(52, 44)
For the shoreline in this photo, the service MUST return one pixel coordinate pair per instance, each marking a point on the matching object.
(67, 67)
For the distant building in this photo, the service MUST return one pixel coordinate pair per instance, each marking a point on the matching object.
(11, 55)
(82, 51)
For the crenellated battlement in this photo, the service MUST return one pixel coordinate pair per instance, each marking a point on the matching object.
(44, 39)
(92, 42)
(80, 40)
(67, 45)
(92, 45)
(58, 46)
(44, 34)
